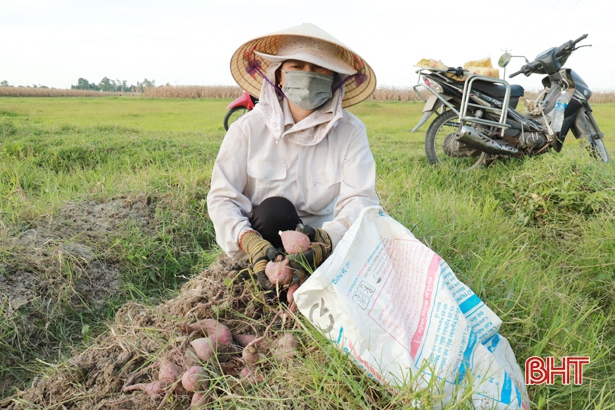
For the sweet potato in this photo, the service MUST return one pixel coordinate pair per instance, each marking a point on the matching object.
(169, 371)
(243, 340)
(199, 399)
(217, 331)
(290, 296)
(152, 389)
(294, 242)
(204, 347)
(286, 347)
(279, 272)
(251, 353)
(190, 358)
(251, 375)
(194, 379)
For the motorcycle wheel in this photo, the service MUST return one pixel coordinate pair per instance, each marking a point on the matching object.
(232, 115)
(444, 125)
(596, 149)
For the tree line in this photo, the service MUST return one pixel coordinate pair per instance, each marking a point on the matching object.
(106, 84)
(5, 83)
(109, 85)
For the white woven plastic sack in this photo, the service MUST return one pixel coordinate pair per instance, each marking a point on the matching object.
(402, 315)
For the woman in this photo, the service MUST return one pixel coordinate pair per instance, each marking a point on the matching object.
(298, 157)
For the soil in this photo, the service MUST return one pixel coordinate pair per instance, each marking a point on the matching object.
(59, 265)
(143, 336)
(42, 258)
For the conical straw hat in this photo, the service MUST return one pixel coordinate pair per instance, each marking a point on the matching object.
(250, 62)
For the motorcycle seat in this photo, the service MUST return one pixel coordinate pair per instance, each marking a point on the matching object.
(497, 90)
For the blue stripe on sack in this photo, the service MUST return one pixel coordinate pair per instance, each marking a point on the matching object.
(493, 342)
(465, 364)
(506, 389)
(469, 304)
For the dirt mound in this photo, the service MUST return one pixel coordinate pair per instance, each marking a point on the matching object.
(142, 337)
(58, 266)
(42, 256)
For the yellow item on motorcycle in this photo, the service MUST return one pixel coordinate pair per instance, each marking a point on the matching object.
(485, 62)
(479, 67)
(430, 63)
(486, 72)
(482, 67)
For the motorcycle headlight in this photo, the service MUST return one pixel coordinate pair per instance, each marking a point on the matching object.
(434, 85)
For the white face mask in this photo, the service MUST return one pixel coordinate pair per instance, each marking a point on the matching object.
(307, 89)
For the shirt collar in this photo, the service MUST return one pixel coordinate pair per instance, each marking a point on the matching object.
(288, 116)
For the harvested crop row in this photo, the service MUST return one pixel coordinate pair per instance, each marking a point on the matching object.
(218, 346)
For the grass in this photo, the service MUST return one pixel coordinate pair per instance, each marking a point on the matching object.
(534, 238)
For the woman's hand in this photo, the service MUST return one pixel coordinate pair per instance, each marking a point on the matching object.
(260, 251)
(320, 248)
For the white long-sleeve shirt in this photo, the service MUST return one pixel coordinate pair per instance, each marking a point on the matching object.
(329, 183)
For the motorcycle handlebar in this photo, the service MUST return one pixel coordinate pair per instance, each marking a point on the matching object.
(568, 46)
(529, 68)
(583, 37)
(516, 73)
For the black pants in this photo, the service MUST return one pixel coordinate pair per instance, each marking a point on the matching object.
(274, 214)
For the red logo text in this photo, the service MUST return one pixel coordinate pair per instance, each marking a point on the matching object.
(539, 371)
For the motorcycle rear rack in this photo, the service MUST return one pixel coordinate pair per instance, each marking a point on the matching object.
(470, 100)
(466, 102)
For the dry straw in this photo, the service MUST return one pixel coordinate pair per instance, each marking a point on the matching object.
(382, 93)
(193, 91)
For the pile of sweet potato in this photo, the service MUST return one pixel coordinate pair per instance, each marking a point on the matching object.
(211, 343)
(210, 347)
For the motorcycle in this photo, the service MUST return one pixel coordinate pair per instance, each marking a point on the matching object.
(477, 121)
(239, 107)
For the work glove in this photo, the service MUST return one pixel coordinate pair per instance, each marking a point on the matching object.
(320, 248)
(260, 251)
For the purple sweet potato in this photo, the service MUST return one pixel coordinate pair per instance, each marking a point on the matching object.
(169, 371)
(294, 241)
(204, 347)
(217, 331)
(251, 353)
(286, 347)
(279, 272)
(290, 296)
(243, 340)
(194, 379)
(199, 399)
(152, 389)
(251, 375)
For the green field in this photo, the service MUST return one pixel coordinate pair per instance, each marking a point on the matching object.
(120, 184)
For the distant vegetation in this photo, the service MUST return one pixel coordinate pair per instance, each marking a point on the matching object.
(148, 89)
(105, 85)
(56, 92)
(108, 85)
(5, 83)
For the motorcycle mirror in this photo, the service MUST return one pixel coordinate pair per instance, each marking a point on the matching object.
(504, 60)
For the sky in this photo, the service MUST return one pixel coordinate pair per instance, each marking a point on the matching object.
(190, 42)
